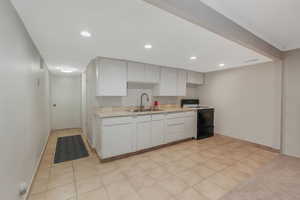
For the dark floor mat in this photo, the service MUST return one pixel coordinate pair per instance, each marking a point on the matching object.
(70, 148)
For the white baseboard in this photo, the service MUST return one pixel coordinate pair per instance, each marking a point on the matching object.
(26, 196)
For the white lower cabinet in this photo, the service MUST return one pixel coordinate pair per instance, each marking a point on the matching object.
(122, 135)
(117, 136)
(143, 132)
(175, 129)
(190, 127)
(158, 130)
(181, 126)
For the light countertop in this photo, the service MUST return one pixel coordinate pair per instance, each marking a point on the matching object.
(126, 111)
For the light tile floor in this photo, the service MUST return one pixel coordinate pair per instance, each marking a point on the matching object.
(194, 170)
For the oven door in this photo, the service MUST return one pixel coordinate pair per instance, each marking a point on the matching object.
(205, 118)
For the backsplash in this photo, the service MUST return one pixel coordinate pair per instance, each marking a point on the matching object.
(134, 92)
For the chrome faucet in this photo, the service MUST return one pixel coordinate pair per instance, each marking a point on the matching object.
(142, 95)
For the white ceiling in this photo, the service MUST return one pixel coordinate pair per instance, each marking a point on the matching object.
(275, 21)
(119, 30)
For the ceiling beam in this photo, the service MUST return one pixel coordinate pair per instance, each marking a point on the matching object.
(200, 14)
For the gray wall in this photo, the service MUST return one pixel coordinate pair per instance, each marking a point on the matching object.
(24, 106)
(291, 108)
(247, 102)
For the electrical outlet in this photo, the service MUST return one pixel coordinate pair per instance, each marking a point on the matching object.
(22, 188)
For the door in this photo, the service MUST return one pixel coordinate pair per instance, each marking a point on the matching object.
(206, 117)
(117, 139)
(158, 131)
(190, 127)
(181, 83)
(143, 132)
(175, 130)
(195, 78)
(111, 78)
(168, 84)
(65, 101)
(136, 72)
(152, 74)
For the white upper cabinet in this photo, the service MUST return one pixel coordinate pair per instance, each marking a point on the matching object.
(181, 82)
(168, 83)
(152, 73)
(136, 72)
(111, 77)
(172, 83)
(195, 78)
(143, 73)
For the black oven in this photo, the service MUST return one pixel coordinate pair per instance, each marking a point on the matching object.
(205, 122)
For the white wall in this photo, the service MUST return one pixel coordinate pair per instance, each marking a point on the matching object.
(83, 102)
(24, 106)
(291, 113)
(66, 93)
(247, 102)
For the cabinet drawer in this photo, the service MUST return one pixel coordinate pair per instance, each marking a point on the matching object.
(175, 115)
(158, 116)
(175, 128)
(189, 114)
(177, 121)
(116, 121)
(144, 118)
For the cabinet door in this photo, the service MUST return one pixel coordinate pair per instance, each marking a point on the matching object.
(111, 78)
(158, 131)
(190, 129)
(143, 135)
(168, 82)
(181, 82)
(117, 139)
(195, 78)
(136, 72)
(175, 130)
(152, 74)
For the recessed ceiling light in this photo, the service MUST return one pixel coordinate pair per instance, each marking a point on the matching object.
(66, 71)
(85, 34)
(221, 65)
(193, 58)
(148, 46)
